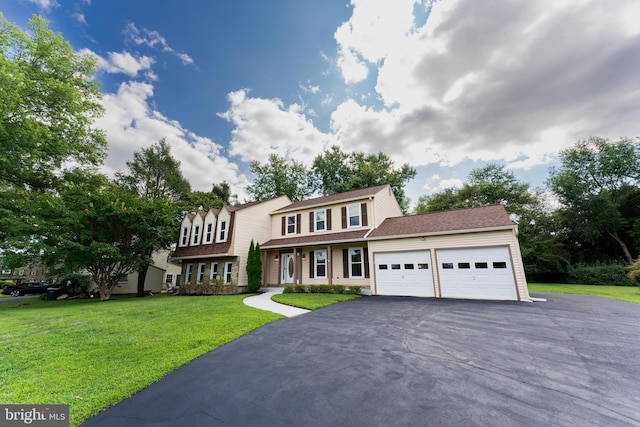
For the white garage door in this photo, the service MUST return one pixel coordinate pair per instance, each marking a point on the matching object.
(404, 273)
(482, 273)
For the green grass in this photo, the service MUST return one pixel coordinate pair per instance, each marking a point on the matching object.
(622, 293)
(311, 301)
(92, 354)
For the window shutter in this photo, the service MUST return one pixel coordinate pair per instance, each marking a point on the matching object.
(344, 217)
(298, 223)
(328, 219)
(345, 263)
(311, 223)
(311, 265)
(363, 211)
(284, 225)
(366, 262)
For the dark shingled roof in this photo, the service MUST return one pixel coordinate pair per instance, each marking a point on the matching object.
(333, 198)
(316, 238)
(437, 222)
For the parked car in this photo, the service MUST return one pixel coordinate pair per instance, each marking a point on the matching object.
(25, 288)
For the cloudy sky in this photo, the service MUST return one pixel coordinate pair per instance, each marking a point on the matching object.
(445, 85)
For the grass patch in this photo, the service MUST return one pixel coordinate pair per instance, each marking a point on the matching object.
(622, 293)
(92, 354)
(311, 301)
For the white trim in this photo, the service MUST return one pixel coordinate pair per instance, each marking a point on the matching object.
(351, 263)
(315, 264)
(208, 232)
(213, 271)
(222, 231)
(195, 236)
(358, 206)
(315, 220)
(288, 224)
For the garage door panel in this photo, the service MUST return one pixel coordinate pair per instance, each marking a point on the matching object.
(479, 273)
(404, 274)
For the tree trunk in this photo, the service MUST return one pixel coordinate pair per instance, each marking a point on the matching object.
(623, 245)
(142, 273)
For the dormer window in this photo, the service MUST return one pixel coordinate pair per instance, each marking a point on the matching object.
(208, 232)
(222, 231)
(184, 235)
(196, 234)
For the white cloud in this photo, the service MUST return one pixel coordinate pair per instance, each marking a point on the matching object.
(267, 126)
(435, 184)
(154, 39)
(507, 81)
(131, 125)
(45, 5)
(122, 63)
(79, 17)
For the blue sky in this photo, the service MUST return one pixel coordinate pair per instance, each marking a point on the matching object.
(445, 86)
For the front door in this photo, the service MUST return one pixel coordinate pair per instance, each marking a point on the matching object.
(287, 269)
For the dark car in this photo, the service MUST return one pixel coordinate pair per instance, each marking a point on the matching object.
(25, 288)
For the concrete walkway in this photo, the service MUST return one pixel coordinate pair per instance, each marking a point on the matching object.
(264, 302)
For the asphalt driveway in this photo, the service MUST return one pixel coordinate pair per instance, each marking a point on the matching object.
(399, 361)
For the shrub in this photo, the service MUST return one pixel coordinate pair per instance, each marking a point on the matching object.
(633, 272)
(75, 284)
(608, 274)
(337, 289)
(353, 290)
(301, 289)
(289, 290)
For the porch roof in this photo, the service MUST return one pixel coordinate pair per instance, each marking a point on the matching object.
(316, 239)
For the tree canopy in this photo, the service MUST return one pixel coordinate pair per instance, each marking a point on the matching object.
(597, 186)
(279, 177)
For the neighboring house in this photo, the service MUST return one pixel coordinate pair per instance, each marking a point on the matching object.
(161, 272)
(214, 245)
(360, 238)
(27, 273)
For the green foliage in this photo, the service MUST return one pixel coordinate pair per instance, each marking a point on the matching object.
(49, 100)
(219, 196)
(154, 173)
(353, 290)
(254, 268)
(300, 289)
(279, 177)
(322, 289)
(622, 293)
(606, 274)
(633, 272)
(288, 290)
(75, 283)
(311, 301)
(597, 185)
(338, 172)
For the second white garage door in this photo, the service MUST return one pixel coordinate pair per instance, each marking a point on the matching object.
(404, 273)
(479, 273)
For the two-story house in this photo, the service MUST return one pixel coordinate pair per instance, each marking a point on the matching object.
(214, 244)
(359, 238)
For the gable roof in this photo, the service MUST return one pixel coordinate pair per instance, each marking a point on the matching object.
(334, 198)
(492, 216)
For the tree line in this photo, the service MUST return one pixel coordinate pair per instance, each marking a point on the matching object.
(55, 207)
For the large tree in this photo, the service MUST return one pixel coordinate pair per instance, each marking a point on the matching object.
(597, 186)
(49, 100)
(278, 177)
(103, 228)
(155, 175)
(336, 172)
(490, 184)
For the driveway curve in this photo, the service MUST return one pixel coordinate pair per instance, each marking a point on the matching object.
(401, 361)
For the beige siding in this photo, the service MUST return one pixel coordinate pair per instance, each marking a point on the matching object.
(458, 241)
(252, 223)
(385, 206)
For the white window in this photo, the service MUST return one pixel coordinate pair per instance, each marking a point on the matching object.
(213, 273)
(208, 233)
(183, 237)
(196, 234)
(227, 272)
(187, 273)
(356, 263)
(169, 278)
(291, 224)
(200, 272)
(320, 223)
(321, 264)
(222, 231)
(353, 216)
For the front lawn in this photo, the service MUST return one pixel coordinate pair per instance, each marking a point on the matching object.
(623, 293)
(311, 301)
(92, 354)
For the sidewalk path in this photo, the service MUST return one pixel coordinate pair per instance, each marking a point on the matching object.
(264, 302)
